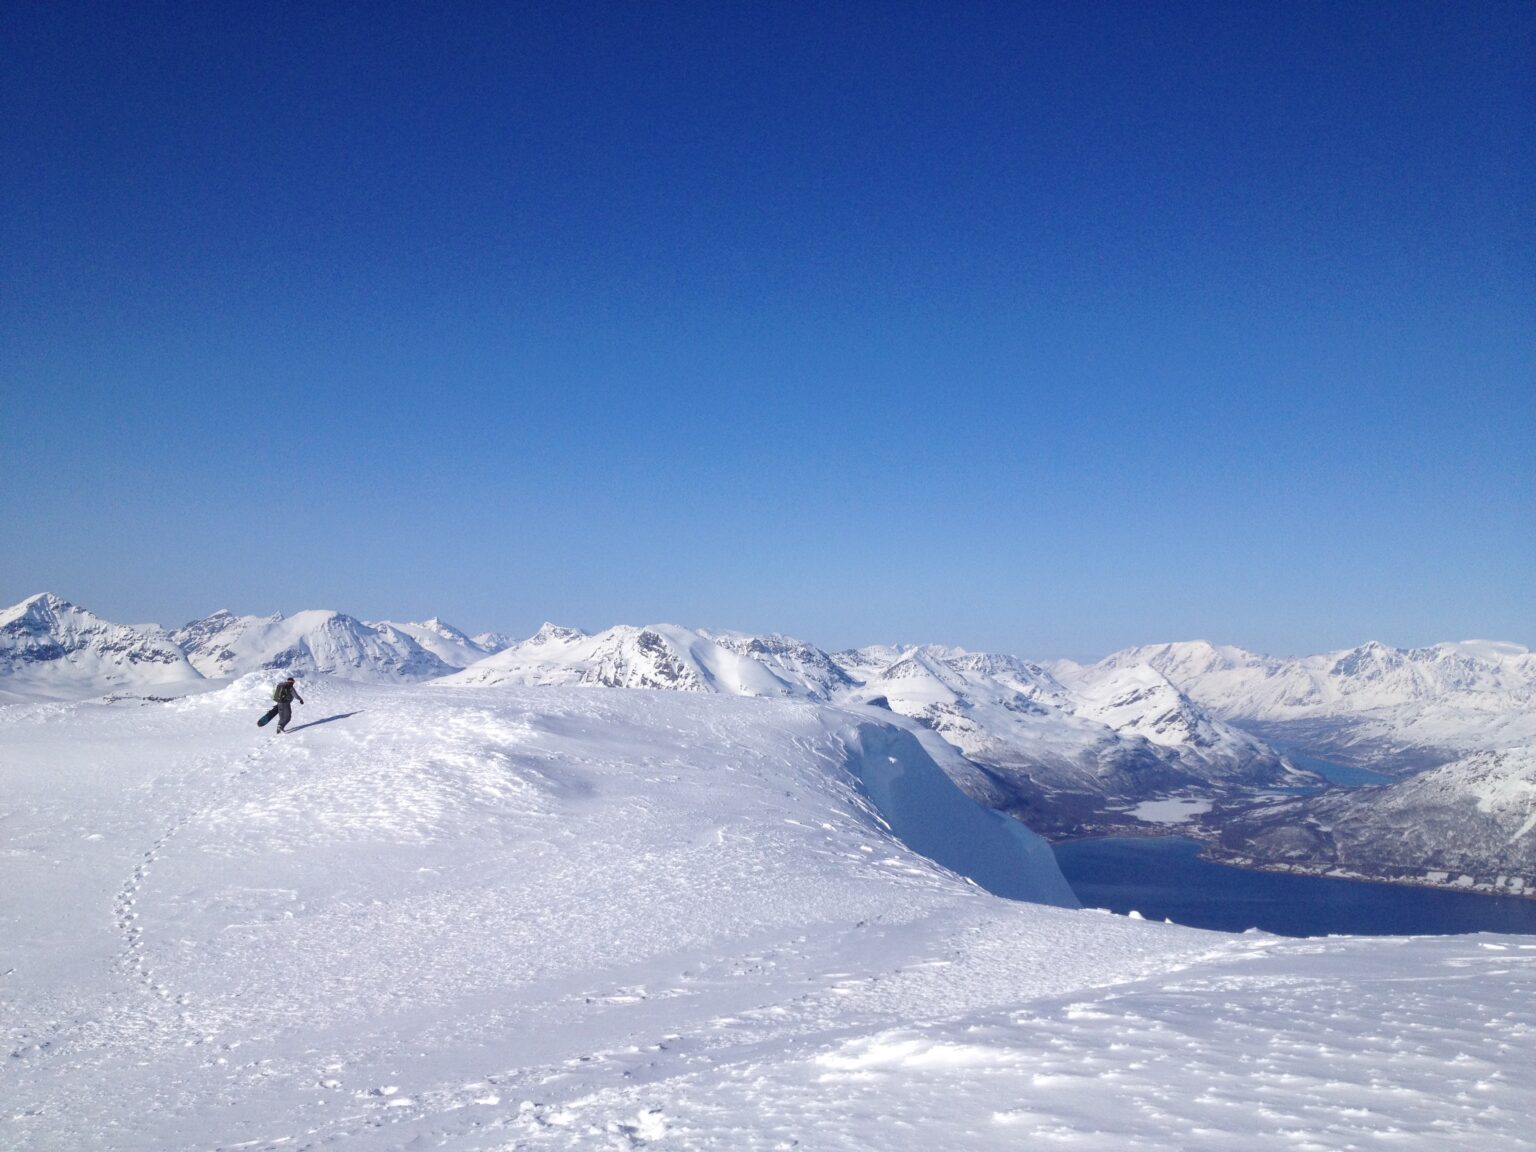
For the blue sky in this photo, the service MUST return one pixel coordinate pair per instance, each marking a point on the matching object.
(1046, 328)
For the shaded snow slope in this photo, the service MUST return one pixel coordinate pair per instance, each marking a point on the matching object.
(564, 919)
(1019, 731)
(307, 643)
(1138, 700)
(52, 648)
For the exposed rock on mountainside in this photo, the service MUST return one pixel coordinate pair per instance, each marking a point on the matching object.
(308, 643)
(49, 646)
(1061, 759)
(1468, 824)
(443, 640)
(659, 656)
(1393, 709)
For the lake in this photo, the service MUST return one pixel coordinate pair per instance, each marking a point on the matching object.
(1164, 878)
(1341, 774)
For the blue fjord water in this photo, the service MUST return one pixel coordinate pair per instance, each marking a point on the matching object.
(1341, 774)
(1164, 878)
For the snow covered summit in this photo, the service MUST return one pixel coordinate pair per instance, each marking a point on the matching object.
(308, 643)
(658, 656)
(50, 647)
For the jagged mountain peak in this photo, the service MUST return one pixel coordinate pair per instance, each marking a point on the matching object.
(550, 633)
(806, 669)
(313, 641)
(51, 647)
(40, 602)
(628, 656)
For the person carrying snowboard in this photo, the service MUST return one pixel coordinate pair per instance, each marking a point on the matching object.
(285, 694)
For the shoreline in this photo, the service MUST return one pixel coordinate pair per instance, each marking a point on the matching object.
(1212, 853)
(1338, 872)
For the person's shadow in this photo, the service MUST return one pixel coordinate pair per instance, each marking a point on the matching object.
(322, 720)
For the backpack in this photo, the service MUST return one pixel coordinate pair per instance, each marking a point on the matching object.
(282, 693)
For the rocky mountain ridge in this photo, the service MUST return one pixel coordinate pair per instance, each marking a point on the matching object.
(1396, 710)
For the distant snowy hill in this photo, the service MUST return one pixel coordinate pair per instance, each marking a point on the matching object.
(307, 643)
(492, 642)
(447, 643)
(1393, 708)
(1137, 700)
(1468, 823)
(806, 669)
(659, 656)
(51, 648)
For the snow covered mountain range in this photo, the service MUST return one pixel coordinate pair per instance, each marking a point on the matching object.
(1062, 747)
(511, 904)
(1392, 709)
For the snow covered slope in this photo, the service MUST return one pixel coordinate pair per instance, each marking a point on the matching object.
(806, 669)
(1129, 734)
(307, 643)
(51, 648)
(1033, 740)
(659, 656)
(1137, 700)
(1389, 707)
(1471, 823)
(447, 643)
(563, 919)
(1018, 727)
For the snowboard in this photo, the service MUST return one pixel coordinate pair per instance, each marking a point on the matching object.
(267, 719)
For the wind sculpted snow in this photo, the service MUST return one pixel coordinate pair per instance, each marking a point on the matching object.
(556, 918)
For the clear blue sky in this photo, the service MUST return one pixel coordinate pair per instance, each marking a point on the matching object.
(1047, 328)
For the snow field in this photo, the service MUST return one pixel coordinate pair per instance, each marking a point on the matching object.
(570, 918)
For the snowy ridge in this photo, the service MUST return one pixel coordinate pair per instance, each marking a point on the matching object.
(659, 656)
(307, 643)
(476, 919)
(805, 669)
(1371, 704)
(444, 641)
(1138, 700)
(1007, 714)
(51, 648)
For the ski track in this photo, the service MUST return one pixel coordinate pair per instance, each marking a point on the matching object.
(565, 919)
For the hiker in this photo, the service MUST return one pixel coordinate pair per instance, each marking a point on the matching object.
(285, 694)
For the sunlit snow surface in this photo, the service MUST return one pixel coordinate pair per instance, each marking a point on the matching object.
(570, 918)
